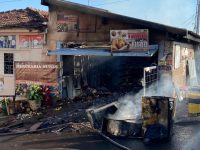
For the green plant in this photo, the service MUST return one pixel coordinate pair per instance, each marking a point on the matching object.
(35, 93)
(4, 103)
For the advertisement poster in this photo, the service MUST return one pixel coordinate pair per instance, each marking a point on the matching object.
(122, 40)
(31, 41)
(67, 23)
(8, 41)
(177, 61)
(42, 73)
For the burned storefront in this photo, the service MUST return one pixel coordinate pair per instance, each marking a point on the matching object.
(103, 50)
(115, 73)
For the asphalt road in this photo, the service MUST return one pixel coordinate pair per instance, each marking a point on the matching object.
(186, 136)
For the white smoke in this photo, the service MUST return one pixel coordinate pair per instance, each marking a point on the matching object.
(130, 107)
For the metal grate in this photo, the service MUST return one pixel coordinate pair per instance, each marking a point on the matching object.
(8, 63)
(150, 77)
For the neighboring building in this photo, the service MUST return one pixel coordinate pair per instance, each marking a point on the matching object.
(22, 39)
(71, 24)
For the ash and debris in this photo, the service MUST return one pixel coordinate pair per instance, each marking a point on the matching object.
(67, 115)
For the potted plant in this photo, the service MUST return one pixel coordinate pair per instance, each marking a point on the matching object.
(46, 96)
(35, 97)
(4, 105)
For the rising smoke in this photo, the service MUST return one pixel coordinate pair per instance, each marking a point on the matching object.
(130, 105)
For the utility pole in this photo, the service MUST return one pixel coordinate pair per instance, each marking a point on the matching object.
(197, 18)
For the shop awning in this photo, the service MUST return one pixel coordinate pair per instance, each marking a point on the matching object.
(103, 52)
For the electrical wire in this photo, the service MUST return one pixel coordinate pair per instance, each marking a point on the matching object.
(188, 20)
(9, 1)
(110, 3)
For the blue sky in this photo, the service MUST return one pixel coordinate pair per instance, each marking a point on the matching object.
(178, 13)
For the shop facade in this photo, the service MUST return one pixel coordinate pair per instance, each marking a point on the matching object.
(81, 38)
(22, 41)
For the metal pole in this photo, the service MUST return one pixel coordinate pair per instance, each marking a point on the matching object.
(144, 82)
(197, 19)
(198, 16)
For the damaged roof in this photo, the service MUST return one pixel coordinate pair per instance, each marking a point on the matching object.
(23, 18)
(105, 13)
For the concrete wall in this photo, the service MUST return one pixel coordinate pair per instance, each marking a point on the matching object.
(179, 74)
(92, 28)
(20, 54)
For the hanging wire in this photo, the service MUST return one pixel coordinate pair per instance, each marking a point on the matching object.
(10, 1)
(110, 3)
(189, 20)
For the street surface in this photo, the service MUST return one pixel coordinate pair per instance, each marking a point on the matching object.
(185, 137)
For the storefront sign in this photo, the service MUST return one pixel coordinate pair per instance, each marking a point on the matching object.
(31, 41)
(67, 23)
(42, 73)
(8, 41)
(129, 39)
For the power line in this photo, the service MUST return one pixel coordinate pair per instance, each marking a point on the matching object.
(188, 19)
(110, 3)
(9, 1)
(88, 1)
(189, 23)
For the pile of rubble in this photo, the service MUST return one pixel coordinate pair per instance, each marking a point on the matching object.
(68, 115)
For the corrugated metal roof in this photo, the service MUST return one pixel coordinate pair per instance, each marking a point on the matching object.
(104, 52)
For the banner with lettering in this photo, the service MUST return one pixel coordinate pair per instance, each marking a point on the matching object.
(137, 39)
(42, 73)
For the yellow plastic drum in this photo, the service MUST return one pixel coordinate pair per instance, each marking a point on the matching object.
(194, 107)
(193, 97)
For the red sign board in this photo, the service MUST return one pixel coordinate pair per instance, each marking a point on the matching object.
(31, 41)
(137, 39)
